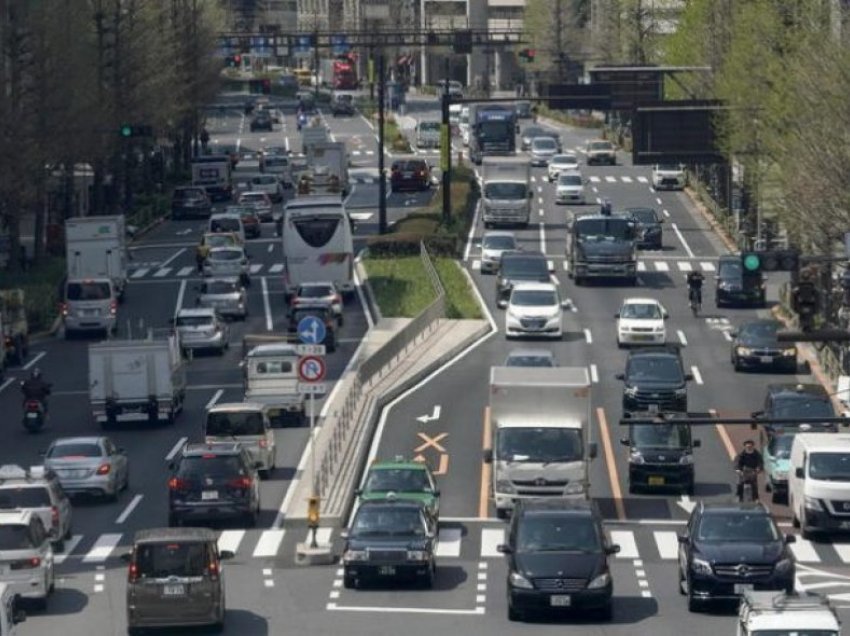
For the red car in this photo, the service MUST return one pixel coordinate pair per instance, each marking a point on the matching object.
(410, 174)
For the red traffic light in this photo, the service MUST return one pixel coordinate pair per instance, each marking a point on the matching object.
(237, 59)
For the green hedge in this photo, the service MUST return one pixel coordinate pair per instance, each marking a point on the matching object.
(41, 291)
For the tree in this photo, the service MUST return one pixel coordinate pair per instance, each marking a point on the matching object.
(555, 30)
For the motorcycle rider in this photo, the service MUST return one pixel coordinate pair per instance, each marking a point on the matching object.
(35, 388)
(695, 280)
(749, 458)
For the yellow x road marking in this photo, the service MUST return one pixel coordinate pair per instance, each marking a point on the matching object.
(430, 442)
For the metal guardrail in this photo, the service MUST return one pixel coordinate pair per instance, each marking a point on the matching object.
(373, 369)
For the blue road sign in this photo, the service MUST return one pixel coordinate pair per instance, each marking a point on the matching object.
(311, 330)
(339, 44)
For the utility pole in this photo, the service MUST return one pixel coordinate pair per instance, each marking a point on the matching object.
(382, 176)
(446, 150)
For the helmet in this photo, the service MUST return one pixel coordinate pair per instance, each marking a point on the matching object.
(36, 374)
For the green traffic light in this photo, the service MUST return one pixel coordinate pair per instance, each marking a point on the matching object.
(126, 131)
(752, 262)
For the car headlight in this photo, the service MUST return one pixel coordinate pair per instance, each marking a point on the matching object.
(352, 556)
(631, 391)
(813, 503)
(602, 580)
(683, 392)
(724, 284)
(780, 475)
(417, 555)
(504, 485)
(743, 351)
(785, 565)
(791, 351)
(518, 580)
(636, 458)
(659, 328)
(686, 459)
(574, 488)
(700, 566)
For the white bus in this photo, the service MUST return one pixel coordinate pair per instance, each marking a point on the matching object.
(317, 243)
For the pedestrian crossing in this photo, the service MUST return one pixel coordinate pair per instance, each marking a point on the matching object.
(631, 180)
(661, 266)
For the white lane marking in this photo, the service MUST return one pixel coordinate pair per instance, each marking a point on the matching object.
(162, 273)
(70, 544)
(682, 239)
(176, 448)
(471, 232)
(269, 543)
(594, 374)
(665, 212)
(667, 543)
(641, 266)
(533, 179)
(728, 336)
(682, 338)
(271, 247)
(661, 266)
(626, 179)
(102, 548)
(595, 190)
(323, 536)
(266, 305)
(542, 227)
(180, 294)
(540, 200)
(230, 540)
(541, 211)
(843, 550)
(685, 266)
(214, 399)
(588, 336)
(804, 551)
(286, 143)
(277, 268)
(139, 273)
(595, 179)
(554, 279)
(697, 375)
(626, 540)
(490, 539)
(37, 357)
(643, 180)
(256, 267)
(185, 271)
(7, 383)
(449, 542)
(707, 266)
(658, 200)
(173, 256)
(540, 188)
(129, 509)
(333, 607)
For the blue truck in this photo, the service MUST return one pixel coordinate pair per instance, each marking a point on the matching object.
(493, 131)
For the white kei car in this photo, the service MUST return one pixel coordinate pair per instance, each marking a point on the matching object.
(640, 321)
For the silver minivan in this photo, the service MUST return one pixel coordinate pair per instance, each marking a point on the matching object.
(175, 579)
(247, 423)
(89, 304)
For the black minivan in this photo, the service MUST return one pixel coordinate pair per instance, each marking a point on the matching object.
(557, 556)
(661, 456)
(734, 286)
(526, 266)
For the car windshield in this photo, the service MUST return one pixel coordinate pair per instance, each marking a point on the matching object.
(829, 466)
(539, 444)
(564, 160)
(660, 436)
(199, 467)
(524, 267)
(429, 126)
(533, 298)
(511, 191)
(162, 560)
(225, 225)
(315, 291)
(800, 406)
(402, 521)
(569, 180)
(31, 497)
(15, 537)
(760, 330)
(730, 269)
(644, 215)
(74, 450)
(530, 360)
(641, 311)
(550, 533)
(397, 479)
(654, 368)
(738, 527)
(264, 181)
(669, 167)
(235, 423)
(604, 229)
(499, 243)
(220, 240)
(226, 255)
(779, 446)
(219, 287)
(194, 321)
(276, 161)
(601, 145)
(544, 143)
(88, 291)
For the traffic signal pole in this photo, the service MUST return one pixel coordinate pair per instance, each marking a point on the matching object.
(446, 130)
(382, 172)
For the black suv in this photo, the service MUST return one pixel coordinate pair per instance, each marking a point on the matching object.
(520, 267)
(661, 455)
(189, 201)
(558, 558)
(389, 540)
(262, 120)
(342, 105)
(734, 286)
(649, 231)
(730, 548)
(797, 400)
(756, 345)
(655, 377)
(212, 482)
(322, 311)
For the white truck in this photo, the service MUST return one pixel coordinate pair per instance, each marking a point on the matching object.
(213, 173)
(539, 423)
(780, 614)
(270, 375)
(506, 192)
(332, 155)
(136, 381)
(96, 247)
(315, 133)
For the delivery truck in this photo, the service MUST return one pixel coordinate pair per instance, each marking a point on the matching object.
(330, 157)
(96, 247)
(506, 193)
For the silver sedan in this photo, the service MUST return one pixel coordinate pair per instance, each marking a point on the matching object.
(89, 465)
(225, 295)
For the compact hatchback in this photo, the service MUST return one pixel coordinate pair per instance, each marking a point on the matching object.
(410, 174)
(223, 262)
(734, 286)
(261, 202)
(641, 321)
(269, 184)
(493, 245)
(39, 491)
(567, 162)
(534, 309)
(308, 294)
(570, 188)
(189, 201)
(542, 150)
(202, 328)
(175, 579)
(89, 304)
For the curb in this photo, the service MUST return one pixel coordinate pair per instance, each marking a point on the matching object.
(150, 226)
(709, 218)
(373, 307)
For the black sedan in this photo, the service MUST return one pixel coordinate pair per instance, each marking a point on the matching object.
(649, 227)
(737, 287)
(756, 346)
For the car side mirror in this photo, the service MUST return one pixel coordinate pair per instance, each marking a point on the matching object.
(226, 554)
(504, 548)
(697, 443)
(126, 556)
(662, 220)
(592, 450)
(620, 376)
(344, 534)
(612, 549)
(682, 538)
(624, 441)
(488, 455)
(172, 465)
(689, 377)
(734, 333)
(18, 616)
(437, 493)
(565, 304)
(798, 473)
(530, 195)
(666, 316)
(617, 315)
(790, 538)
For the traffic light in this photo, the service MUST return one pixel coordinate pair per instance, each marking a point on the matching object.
(462, 42)
(527, 54)
(233, 61)
(130, 130)
(770, 261)
(260, 87)
(806, 300)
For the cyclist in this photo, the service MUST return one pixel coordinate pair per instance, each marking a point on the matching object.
(695, 280)
(749, 460)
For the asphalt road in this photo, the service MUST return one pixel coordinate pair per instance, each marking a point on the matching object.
(266, 592)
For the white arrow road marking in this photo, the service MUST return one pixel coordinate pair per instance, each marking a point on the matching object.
(430, 418)
(686, 504)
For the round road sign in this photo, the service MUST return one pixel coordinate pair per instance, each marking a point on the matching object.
(311, 369)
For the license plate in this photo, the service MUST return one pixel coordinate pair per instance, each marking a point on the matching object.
(845, 525)
(766, 359)
(89, 312)
(386, 570)
(740, 588)
(209, 494)
(656, 481)
(173, 590)
(560, 600)
(32, 415)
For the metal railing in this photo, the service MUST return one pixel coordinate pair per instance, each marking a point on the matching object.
(373, 370)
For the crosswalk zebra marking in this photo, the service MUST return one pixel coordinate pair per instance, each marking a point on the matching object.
(277, 268)
(230, 539)
(611, 179)
(448, 543)
(667, 543)
(476, 265)
(843, 551)
(641, 266)
(707, 266)
(102, 548)
(685, 266)
(139, 273)
(595, 179)
(662, 266)
(491, 538)
(626, 179)
(185, 271)
(626, 540)
(268, 544)
(323, 536)
(804, 551)
(70, 544)
(643, 180)
(255, 268)
(162, 273)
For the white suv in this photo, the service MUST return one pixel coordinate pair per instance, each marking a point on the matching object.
(535, 309)
(668, 177)
(37, 490)
(26, 558)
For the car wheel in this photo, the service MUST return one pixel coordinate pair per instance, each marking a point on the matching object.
(513, 613)
(606, 613)
(112, 497)
(632, 488)
(59, 545)
(775, 497)
(693, 604)
(807, 534)
(67, 534)
(736, 363)
(428, 579)
(349, 582)
(795, 521)
(251, 519)
(501, 513)
(681, 586)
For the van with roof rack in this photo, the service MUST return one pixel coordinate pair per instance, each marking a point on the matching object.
(780, 614)
(39, 491)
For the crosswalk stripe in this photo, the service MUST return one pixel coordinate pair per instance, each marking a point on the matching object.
(139, 273)
(70, 544)
(448, 543)
(230, 540)
(685, 266)
(595, 179)
(707, 266)
(185, 271)
(323, 536)
(161, 273)
(611, 179)
(626, 179)
(490, 539)
(643, 179)
(476, 264)
(102, 548)
(641, 266)
(533, 179)
(626, 540)
(277, 268)
(804, 551)
(269, 543)
(662, 266)
(256, 267)
(667, 543)
(843, 551)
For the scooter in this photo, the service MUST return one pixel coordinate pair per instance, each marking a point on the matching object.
(33, 416)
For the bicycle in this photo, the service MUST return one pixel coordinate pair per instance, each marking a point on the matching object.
(747, 485)
(694, 300)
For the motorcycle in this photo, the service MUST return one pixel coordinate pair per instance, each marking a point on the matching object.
(33, 416)
(747, 485)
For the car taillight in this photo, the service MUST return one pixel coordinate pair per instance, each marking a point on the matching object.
(213, 570)
(132, 573)
(264, 443)
(8, 341)
(54, 516)
(103, 469)
(241, 482)
(113, 307)
(63, 309)
(25, 564)
(337, 298)
(175, 483)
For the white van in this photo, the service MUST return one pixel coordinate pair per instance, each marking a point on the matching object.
(227, 222)
(10, 613)
(247, 423)
(819, 482)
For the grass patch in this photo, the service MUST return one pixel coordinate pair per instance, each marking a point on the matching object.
(460, 299)
(401, 286)
(579, 121)
(41, 288)
(394, 138)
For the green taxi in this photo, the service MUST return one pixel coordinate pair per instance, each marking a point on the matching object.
(402, 479)
(777, 462)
